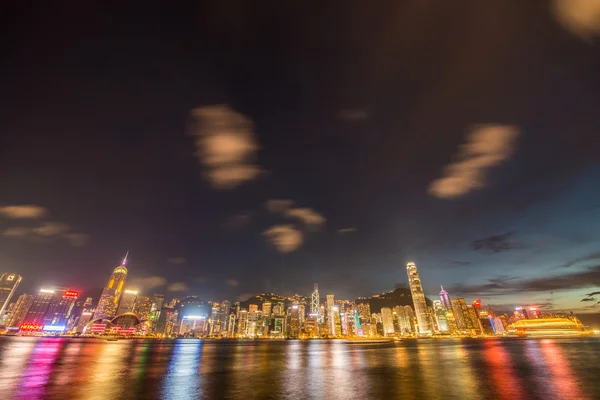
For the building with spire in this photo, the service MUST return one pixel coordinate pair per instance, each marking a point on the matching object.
(111, 295)
(445, 299)
(315, 305)
(418, 296)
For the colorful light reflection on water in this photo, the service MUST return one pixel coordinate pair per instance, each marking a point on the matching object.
(446, 369)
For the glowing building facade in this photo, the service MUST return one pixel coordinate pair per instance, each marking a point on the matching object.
(418, 296)
(111, 295)
(128, 302)
(8, 285)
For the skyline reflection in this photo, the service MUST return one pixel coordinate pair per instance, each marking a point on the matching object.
(50, 368)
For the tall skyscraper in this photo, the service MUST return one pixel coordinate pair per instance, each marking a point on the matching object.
(34, 320)
(315, 304)
(8, 285)
(445, 299)
(60, 308)
(143, 307)
(330, 305)
(128, 301)
(111, 295)
(20, 311)
(388, 321)
(440, 316)
(266, 308)
(418, 297)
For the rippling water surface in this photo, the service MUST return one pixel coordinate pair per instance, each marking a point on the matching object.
(52, 368)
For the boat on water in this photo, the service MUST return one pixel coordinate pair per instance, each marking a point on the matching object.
(549, 327)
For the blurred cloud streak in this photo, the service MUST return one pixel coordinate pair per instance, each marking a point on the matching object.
(226, 145)
(487, 146)
(285, 238)
(580, 17)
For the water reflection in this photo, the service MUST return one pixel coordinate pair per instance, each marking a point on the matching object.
(183, 379)
(443, 369)
(39, 369)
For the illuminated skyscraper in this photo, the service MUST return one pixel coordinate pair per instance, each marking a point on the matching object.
(459, 317)
(330, 305)
(20, 311)
(364, 312)
(440, 316)
(445, 299)
(109, 300)
(388, 321)
(60, 308)
(128, 301)
(143, 307)
(41, 303)
(418, 297)
(266, 309)
(315, 304)
(8, 285)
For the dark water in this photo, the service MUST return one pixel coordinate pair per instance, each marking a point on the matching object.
(48, 368)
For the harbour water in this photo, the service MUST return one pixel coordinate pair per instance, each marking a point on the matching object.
(60, 368)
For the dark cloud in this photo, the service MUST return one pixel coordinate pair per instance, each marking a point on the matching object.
(496, 243)
(592, 294)
(511, 285)
(588, 299)
(590, 257)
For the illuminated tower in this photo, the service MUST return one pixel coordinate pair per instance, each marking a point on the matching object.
(8, 285)
(445, 298)
(388, 321)
(109, 300)
(418, 297)
(20, 311)
(315, 304)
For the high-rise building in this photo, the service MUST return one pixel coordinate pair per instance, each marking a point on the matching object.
(252, 308)
(364, 312)
(388, 321)
(315, 304)
(408, 325)
(266, 309)
(418, 296)
(111, 295)
(8, 285)
(34, 320)
(60, 309)
(242, 322)
(143, 307)
(445, 299)
(20, 311)
(440, 316)
(295, 323)
(128, 301)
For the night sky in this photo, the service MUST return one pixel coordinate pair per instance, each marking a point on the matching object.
(241, 147)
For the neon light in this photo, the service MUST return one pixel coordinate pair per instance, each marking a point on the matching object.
(131, 291)
(194, 317)
(54, 328)
(86, 313)
(46, 291)
(71, 293)
(30, 327)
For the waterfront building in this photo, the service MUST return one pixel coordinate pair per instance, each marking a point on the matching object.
(266, 308)
(20, 310)
(364, 312)
(418, 296)
(60, 309)
(459, 316)
(241, 323)
(295, 322)
(128, 302)
(387, 321)
(440, 316)
(408, 323)
(330, 305)
(34, 320)
(8, 286)
(231, 325)
(143, 307)
(111, 294)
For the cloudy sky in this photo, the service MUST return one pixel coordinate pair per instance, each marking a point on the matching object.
(236, 147)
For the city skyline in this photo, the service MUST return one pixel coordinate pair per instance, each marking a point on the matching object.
(247, 150)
